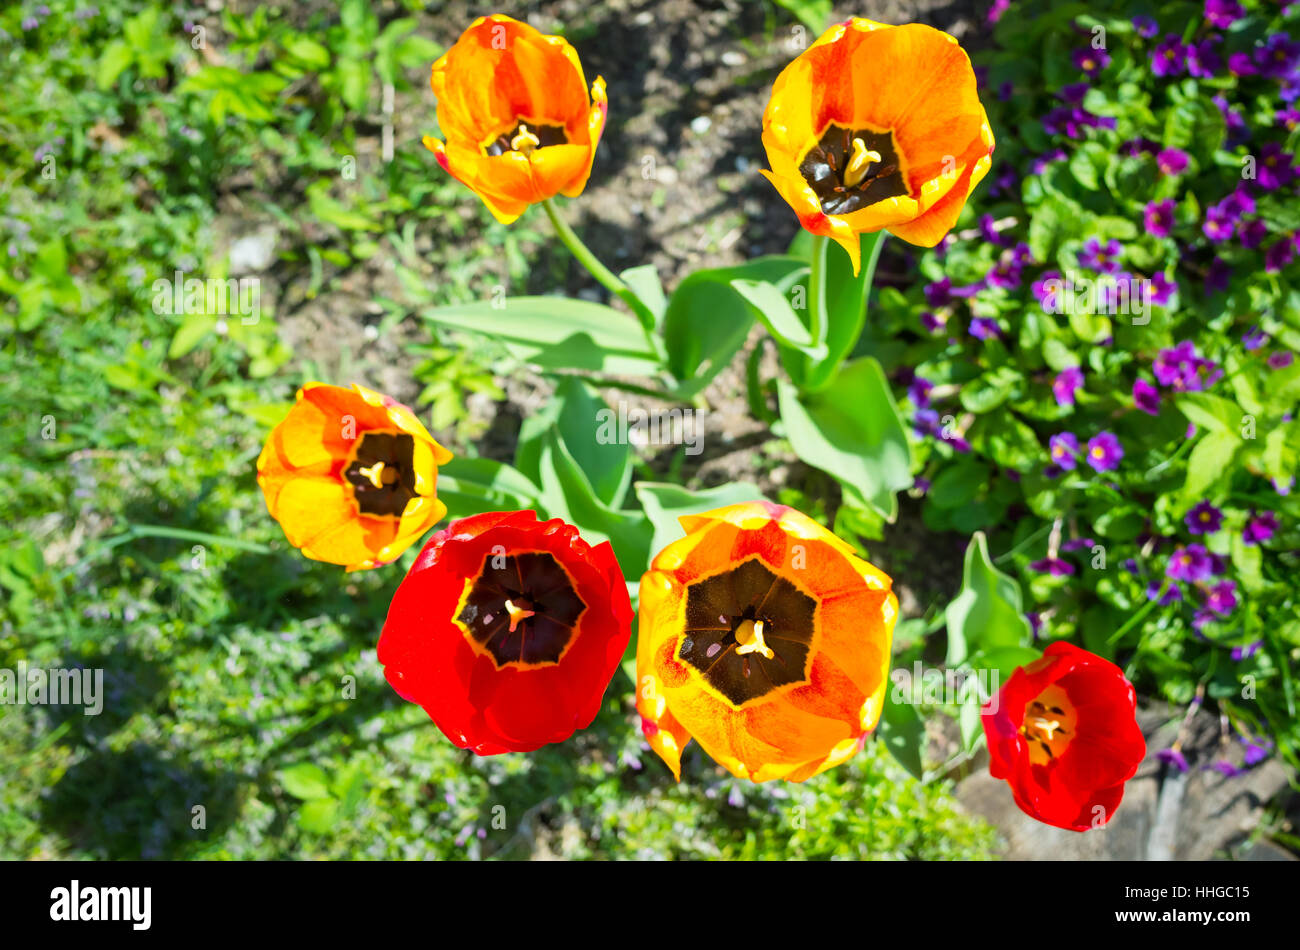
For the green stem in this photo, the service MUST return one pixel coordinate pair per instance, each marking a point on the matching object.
(1138, 617)
(816, 292)
(587, 259)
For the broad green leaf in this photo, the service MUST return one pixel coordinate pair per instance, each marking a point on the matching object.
(472, 486)
(1213, 413)
(707, 320)
(557, 333)
(1210, 460)
(852, 430)
(987, 613)
(902, 730)
(846, 306)
(773, 310)
(305, 781)
(194, 328)
(319, 815)
(664, 504)
(643, 281)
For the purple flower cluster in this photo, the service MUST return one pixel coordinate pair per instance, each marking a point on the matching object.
(1103, 453)
(1180, 368)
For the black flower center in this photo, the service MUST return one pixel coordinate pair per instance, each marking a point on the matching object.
(851, 169)
(525, 137)
(748, 631)
(522, 608)
(381, 473)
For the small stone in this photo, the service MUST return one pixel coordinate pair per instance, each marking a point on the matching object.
(701, 124)
(733, 58)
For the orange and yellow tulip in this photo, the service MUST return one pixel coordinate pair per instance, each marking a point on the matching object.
(351, 475)
(514, 108)
(877, 127)
(764, 637)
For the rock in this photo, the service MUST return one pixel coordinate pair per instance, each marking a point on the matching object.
(253, 253)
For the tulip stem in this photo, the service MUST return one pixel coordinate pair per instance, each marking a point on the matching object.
(599, 271)
(816, 292)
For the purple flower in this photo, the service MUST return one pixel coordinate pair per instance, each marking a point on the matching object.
(1245, 652)
(1254, 338)
(1077, 544)
(1006, 273)
(1222, 766)
(1203, 518)
(926, 422)
(1101, 257)
(1169, 58)
(1222, 598)
(1252, 233)
(1068, 381)
(1280, 360)
(1223, 13)
(1277, 57)
(1275, 167)
(1171, 161)
(988, 231)
(1290, 117)
(1174, 757)
(995, 12)
(1203, 60)
(1137, 147)
(1240, 64)
(1220, 223)
(984, 328)
(1091, 61)
(1190, 563)
(1146, 397)
(921, 485)
(1171, 594)
(1041, 163)
(1160, 289)
(1218, 276)
(919, 392)
(1260, 528)
(1054, 566)
(1073, 93)
(1256, 752)
(1169, 362)
(1064, 450)
(1159, 217)
(1104, 452)
(1145, 26)
(1046, 289)
(1005, 180)
(933, 323)
(1035, 623)
(1278, 256)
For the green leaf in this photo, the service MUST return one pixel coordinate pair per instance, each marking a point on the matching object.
(1213, 413)
(557, 333)
(472, 486)
(772, 309)
(1210, 460)
(643, 281)
(567, 494)
(987, 613)
(318, 816)
(846, 306)
(194, 328)
(852, 430)
(664, 504)
(595, 437)
(707, 320)
(117, 56)
(304, 781)
(902, 730)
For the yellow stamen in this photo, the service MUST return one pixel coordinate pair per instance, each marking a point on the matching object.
(517, 615)
(857, 167)
(750, 637)
(524, 141)
(378, 475)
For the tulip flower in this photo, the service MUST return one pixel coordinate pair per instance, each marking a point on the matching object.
(507, 630)
(764, 637)
(877, 127)
(514, 108)
(351, 475)
(1063, 733)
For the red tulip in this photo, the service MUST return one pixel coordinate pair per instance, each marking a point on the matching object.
(507, 631)
(1063, 733)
